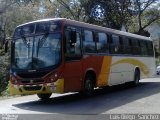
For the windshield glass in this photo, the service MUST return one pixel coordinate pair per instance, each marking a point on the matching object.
(38, 51)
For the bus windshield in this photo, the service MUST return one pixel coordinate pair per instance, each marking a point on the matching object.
(36, 45)
(34, 52)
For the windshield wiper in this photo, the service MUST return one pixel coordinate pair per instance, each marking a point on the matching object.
(41, 41)
(25, 41)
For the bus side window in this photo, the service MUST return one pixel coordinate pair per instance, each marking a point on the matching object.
(150, 48)
(78, 44)
(143, 48)
(114, 46)
(72, 49)
(121, 46)
(126, 46)
(135, 47)
(102, 46)
(67, 36)
(88, 42)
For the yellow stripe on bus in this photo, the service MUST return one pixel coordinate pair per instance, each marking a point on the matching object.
(134, 62)
(105, 71)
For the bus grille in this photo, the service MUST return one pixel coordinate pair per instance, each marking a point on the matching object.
(25, 81)
(32, 88)
(33, 75)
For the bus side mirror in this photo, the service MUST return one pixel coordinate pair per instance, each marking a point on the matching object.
(73, 37)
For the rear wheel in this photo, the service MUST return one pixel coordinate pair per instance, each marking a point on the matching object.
(136, 78)
(44, 96)
(88, 85)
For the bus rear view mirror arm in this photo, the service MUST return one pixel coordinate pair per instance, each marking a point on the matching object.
(73, 37)
(6, 45)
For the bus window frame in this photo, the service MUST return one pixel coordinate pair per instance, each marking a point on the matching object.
(68, 56)
(114, 45)
(93, 41)
(106, 42)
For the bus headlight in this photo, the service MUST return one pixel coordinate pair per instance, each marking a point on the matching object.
(55, 75)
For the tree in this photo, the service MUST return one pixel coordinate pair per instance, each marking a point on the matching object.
(146, 13)
(70, 9)
(28, 10)
(4, 6)
(135, 15)
(110, 13)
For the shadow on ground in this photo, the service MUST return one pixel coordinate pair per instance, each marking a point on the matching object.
(102, 100)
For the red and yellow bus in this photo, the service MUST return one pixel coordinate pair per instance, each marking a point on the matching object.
(60, 55)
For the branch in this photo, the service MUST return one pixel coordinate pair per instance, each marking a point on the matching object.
(150, 22)
(148, 4)
(6, 7)
(67, 7)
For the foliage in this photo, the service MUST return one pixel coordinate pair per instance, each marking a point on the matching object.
(135, 15)
(4, 73)
(71, 9)
(110, 13)
(146, 13)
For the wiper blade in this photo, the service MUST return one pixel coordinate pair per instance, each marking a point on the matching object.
(25, 40)
(41, 41)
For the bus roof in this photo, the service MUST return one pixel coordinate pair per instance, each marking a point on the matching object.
(41, 20)
(90, 26)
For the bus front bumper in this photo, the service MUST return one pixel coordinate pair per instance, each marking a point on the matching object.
(55, 87)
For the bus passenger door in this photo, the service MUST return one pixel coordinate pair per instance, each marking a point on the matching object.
(73, 65)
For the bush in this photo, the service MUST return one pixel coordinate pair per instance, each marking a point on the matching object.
(4, 73)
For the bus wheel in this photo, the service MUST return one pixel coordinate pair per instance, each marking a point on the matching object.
(88, 86)
(136, 78)
(44, 96)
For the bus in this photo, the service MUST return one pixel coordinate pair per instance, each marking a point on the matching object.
(60, 55)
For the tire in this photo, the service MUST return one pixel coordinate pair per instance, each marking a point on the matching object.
(44, 96)
(88, 86)
(136, 78)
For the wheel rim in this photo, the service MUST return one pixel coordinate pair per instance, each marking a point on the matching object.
(137, 78)
(88, 87)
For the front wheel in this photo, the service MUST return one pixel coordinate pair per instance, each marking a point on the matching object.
(44, 96)
(88, 86)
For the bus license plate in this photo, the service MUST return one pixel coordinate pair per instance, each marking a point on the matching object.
(52, 88)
